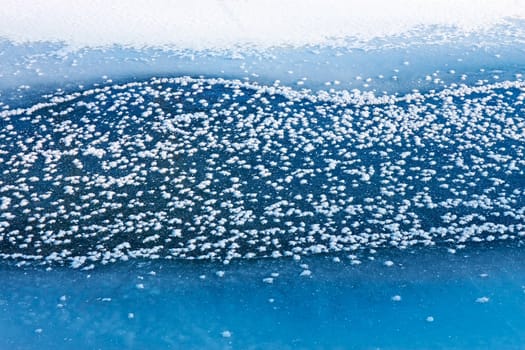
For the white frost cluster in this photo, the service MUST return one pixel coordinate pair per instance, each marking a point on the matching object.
(148, 170)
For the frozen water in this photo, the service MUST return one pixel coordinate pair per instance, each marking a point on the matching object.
(221, 169)
(339, 306)
(261, 178)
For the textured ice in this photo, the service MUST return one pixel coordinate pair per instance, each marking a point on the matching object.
(303, 174)
(185, 168)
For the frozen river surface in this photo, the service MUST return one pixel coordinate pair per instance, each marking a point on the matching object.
(326, 186)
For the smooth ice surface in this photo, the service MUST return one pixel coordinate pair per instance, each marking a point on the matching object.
(428, 298)
(395, 65)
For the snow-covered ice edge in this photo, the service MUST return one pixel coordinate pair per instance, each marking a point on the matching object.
(216, 24)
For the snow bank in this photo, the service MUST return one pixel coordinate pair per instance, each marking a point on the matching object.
(216, 24)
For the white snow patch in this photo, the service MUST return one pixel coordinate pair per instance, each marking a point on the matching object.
(212, 24)
(396, 298)
(482, 300)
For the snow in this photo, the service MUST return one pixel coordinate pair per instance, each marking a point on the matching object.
(482, 300)
(215, 24)
(226, 334)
